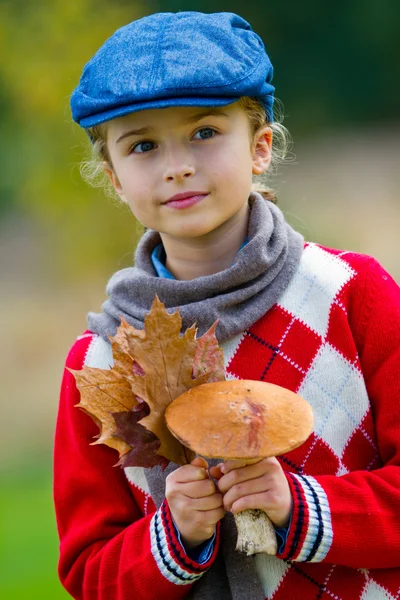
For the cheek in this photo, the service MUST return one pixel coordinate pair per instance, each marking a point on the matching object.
(131, 178)
(234, 158)
(236, 173)
(229, 164)
(137, 192)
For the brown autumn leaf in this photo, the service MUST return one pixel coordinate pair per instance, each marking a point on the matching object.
(154, 365)
(168, 360)
(209, 357)
(103, 392)
(143, 443)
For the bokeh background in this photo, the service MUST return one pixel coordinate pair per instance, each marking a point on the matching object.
(337, 72)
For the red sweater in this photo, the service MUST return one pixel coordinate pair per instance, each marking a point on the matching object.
(334, 337)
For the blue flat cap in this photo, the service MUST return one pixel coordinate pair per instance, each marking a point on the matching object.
(174, 59)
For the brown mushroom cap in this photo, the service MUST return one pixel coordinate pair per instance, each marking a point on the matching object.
(240, 419)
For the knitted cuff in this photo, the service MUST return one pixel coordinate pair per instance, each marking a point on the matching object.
(168, 553)
(310, 534)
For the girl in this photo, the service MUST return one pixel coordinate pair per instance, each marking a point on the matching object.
(179, 108)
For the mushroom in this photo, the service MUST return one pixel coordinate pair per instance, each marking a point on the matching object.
(242, 419)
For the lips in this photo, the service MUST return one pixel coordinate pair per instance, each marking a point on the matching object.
(184, 195)
(185, 200)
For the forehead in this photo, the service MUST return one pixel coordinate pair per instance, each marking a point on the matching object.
(168, 118)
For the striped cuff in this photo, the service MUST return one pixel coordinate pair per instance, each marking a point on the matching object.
(202, 553)
(168, 553)
(310, 535)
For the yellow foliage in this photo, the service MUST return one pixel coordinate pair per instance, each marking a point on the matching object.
(43, 48)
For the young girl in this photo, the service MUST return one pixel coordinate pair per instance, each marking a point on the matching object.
(179, 108)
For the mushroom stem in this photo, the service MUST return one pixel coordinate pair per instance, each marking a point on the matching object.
(255, 533)
(255, 530)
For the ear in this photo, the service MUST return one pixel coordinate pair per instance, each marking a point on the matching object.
(114, 180)
(262, 150)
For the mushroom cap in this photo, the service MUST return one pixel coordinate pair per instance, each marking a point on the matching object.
(240, 419)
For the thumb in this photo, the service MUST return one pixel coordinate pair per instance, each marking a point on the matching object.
(216, 472)
(199, 461)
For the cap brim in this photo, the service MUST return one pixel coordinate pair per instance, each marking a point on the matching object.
(121, 111)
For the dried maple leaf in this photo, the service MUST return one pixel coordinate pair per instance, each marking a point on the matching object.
(103, 392)
(154, 365)
(168, 360)
(209, 357)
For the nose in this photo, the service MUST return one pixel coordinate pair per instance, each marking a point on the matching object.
(179, 166)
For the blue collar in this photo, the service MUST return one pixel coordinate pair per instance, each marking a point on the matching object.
(158, 258)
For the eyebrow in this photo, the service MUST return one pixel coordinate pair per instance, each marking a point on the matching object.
(192, 119)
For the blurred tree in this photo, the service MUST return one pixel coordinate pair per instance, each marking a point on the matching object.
(43, 47)
(8, 169)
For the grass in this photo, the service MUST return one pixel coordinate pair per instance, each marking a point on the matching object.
(28, 538)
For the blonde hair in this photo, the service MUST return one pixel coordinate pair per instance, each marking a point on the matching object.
(92, 169)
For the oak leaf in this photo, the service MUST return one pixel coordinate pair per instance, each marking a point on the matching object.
(152, 367)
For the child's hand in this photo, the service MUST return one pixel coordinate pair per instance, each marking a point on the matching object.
(194, 501)
(258, 485)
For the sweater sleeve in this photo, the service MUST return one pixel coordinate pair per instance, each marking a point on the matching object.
(354, 519)
(108, 549)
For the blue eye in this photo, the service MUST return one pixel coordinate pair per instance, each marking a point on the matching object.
(146, 147)
(206, 133)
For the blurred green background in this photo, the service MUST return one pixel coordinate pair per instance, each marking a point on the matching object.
(337, 71)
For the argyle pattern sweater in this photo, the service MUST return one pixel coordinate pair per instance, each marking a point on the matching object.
(333, 337)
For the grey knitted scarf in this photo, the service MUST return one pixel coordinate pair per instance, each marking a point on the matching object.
(237, 296)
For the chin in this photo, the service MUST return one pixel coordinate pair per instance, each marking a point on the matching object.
(195, 230)
(191, 234)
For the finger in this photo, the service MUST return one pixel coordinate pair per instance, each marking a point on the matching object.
(267, 466)
(199, 489)
(247, 502)
(279, 517)
(188, 473)
(208, 503)
(199, 461)
(216, 472)
(246, 488)
(230, 465)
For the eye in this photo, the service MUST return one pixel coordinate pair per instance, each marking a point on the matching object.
(142, 147)
(205, 133)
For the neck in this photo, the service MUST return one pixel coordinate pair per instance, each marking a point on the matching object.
(209, 254)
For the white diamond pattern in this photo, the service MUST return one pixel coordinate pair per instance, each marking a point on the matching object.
(373, 591)
(137, 477)
(270, 571)
(336, 391)
(99, 354)
(307, 290)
